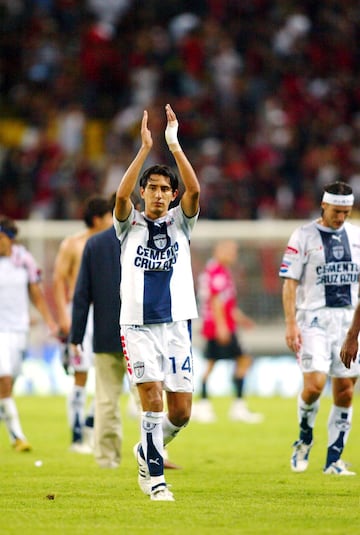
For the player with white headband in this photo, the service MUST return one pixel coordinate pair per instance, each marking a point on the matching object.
(338, 200)
(320, 269)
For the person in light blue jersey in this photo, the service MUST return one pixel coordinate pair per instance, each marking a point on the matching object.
(320, 268)
(158, 298)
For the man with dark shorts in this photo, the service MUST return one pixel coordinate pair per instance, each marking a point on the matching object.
(220, 320)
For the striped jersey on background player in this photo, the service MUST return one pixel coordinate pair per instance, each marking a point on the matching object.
(320, 269)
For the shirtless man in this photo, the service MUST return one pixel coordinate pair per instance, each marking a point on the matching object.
(97, 216)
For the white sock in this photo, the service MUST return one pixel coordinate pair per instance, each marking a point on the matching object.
(308, 411)
(306, 417)
(76, 410)
(90, 415)
(169, 430)
(339, 424)
(11, 417)
(153, 445)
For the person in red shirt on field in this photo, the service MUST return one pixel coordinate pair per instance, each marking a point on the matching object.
(221, 318)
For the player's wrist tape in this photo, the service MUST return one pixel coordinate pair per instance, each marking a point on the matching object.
(174, 147)
(171, 136)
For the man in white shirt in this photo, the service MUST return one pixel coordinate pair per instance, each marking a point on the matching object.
(20, 285)
(158, 298)
(321, 267)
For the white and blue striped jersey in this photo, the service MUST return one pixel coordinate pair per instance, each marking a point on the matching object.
(326, 263)
(156, 276)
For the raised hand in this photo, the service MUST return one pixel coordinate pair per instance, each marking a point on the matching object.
(171, 129)
(145, 132)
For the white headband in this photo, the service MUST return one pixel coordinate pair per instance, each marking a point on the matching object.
(338, 200)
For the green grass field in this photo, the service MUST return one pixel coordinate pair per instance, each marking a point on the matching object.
(235, 479)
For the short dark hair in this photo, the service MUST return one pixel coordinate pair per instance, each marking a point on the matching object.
(163, 170)
(8, 226)
(95, 205)
(338, 188)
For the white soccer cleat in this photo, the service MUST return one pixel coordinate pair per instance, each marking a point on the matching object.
(339, 468)
(162, 494)
(144, 480)
(203, 412)
(80, 447)
(239, 412)
(300, 458)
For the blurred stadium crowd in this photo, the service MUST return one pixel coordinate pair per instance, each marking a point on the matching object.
(267, 92)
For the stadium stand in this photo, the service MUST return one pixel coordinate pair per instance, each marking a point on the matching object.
(267, 92)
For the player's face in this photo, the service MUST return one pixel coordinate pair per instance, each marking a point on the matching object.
(227, 252)
(157, 196)
(334, 216)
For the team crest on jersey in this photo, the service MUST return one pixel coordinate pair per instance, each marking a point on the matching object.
(139, 369)
(160, 241)
(338, 252)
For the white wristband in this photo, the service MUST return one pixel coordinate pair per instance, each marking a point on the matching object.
(171, 136)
